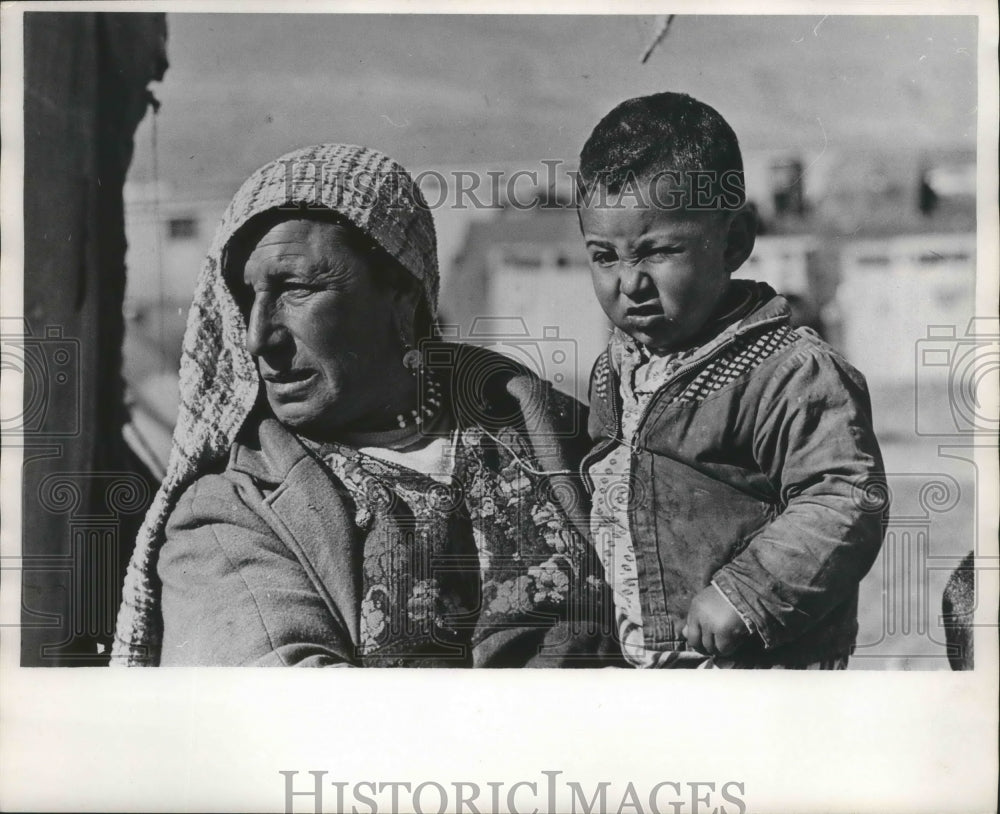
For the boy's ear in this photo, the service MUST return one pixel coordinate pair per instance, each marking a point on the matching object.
(740, 238)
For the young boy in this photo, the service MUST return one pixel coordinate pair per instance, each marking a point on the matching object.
(734, 460)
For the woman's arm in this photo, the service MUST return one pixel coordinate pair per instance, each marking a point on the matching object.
(234, 594)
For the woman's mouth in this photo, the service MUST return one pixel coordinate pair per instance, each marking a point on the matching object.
(286, 381)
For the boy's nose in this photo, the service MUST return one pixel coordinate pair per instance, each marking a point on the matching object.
(633, 280)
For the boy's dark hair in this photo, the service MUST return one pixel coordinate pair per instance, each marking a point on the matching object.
(665, 133)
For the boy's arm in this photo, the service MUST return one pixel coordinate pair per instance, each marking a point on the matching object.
(815, 442)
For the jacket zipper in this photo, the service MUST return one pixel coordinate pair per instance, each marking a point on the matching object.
(681, 371)
(598, 451)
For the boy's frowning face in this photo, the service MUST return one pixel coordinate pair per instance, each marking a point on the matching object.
(659, 274)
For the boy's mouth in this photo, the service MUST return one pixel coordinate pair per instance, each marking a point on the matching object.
(647, 309)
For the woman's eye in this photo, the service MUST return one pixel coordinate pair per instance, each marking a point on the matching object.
(604, 259)
(296, 289)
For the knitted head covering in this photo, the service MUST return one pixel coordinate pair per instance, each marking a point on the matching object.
(219, 382)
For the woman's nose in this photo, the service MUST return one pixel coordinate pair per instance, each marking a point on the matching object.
(264, 332)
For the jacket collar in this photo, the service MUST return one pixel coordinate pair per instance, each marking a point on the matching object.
(773, 309)
(305, 513)
(266, 450)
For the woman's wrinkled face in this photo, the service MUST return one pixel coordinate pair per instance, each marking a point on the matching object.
(324, 334)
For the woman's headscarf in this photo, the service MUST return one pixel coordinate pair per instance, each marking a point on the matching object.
(218, 378)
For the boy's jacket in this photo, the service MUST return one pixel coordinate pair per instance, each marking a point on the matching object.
(755, 467)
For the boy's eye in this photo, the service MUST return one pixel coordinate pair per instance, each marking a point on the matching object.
(664, 251)
(604, 259)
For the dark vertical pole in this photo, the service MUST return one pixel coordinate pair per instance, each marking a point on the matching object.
(83, 492)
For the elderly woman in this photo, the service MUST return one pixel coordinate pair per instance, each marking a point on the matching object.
(345, 489)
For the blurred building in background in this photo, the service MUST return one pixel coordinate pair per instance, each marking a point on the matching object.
(530, 267)
(168, 238)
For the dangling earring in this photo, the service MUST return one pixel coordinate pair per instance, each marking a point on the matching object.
(413, 360)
